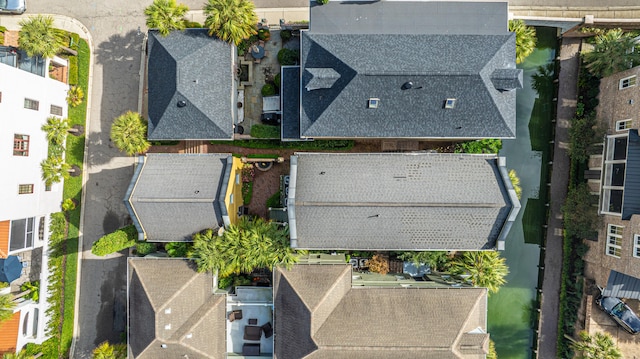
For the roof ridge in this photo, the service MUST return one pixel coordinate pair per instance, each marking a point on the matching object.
(347, 270)
(180, 289)
(456, 342)
(200, 314)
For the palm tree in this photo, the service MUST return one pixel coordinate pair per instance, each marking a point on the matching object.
(596, 346)
(166, 16)
(205, 251)
(57, 129)
(6, 307)
(75, 95)
(613, 51)
(54, 169)
(231, 20)
(129, 133)
(38, 36)
(485, 268)
(525, 39)
(515, 181)
(110, 351)
(19, 355)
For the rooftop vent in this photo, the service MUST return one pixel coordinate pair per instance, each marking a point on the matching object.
(407, 85)
(373, 102)
(167, 311)
(163, 346)
(167, 327)
(450, 103)
(182, 103)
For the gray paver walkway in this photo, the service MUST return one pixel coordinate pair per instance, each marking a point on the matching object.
(567, 96)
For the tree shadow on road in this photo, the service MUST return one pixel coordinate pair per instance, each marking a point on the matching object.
(119, 58)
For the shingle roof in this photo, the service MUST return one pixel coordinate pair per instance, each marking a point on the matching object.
(193, 67)
(398, 201)
(181, 313)
(621, 285)
(368, 321)
(441, 62)
(631, 199)
(173, 196)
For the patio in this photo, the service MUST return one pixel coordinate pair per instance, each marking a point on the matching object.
(32, 260)
(255, 303)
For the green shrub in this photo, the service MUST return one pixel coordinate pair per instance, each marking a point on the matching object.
(479, 146)
(268, 90)
(73, 70)
(274, 201)
(144, 248)
(122, 238)
(3, 285)
(226, 282)
(241, 280)
(34, 288)
(265, 131)
(192, 24)
(285, 35)
(68, 205)
(177, 249)
(276, 80)
(247, 192)
(264, 34)
(75, 40)
(288, 57)
(322, 2)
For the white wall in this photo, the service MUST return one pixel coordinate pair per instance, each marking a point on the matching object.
(15, 86)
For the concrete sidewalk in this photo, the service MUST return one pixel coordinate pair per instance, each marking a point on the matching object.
(567, 98)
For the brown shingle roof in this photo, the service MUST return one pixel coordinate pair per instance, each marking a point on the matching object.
(170, 303)
(372, 322)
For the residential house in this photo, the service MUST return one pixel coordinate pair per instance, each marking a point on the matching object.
(27, 99)
(318, 313)
(403, 69)
(319, 310)
(173, 196)
(192, 90)
(400, 201)
(615, 176)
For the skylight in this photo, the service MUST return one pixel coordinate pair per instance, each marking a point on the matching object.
(373, 102)
(450, 103)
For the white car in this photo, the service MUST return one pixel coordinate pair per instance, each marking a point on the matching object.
(15, 7)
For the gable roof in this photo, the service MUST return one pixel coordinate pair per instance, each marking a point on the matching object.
(399, 201)
(475, 67)
(173, 196)
(181, 312)
(192, 67)
(318, 314)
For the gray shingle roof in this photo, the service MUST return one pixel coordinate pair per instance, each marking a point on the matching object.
(181, 312)
(193, 67)
(621, 285)
(173, 196)
(631, 199)
(442, 62)
(396, 201)
(326, 321)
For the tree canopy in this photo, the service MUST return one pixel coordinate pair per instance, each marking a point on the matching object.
(129, 133)
(54, 169)
(525, 39)
(37, 36)
(612, 52)
(485, 268)
(596, 346)
(6, 307)
(166, 16)
(231, 20)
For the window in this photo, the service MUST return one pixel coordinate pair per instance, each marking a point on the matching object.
(22, 231)
(623, 125)
(614, 240)
(627, 82)
(41, 228)
(636, 245)
(47, 187)
(238, 178)
(56, 110)
(20, 145)
(231, 198)
(25, 325)
(31, 104)
(25, 188)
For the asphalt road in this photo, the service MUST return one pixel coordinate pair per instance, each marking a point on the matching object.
(117, 42)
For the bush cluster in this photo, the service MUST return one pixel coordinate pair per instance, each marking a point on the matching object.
(288, 57)
(488, 145)
(122, 238)
(268, 89)
(265, 131)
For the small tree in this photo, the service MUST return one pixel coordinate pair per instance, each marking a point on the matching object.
(231, 20)
(122, 238)
(515, 182)
(596, 346)
(54, 169)
(110, 351)
(7, 305)
(68, 205)
(580, 216)
(525, 39)
(166, 16)
(38, 36)
(56, 129)
(612, 52)
(75, 95)
(379, 264)
(129, 133)
(485, 268)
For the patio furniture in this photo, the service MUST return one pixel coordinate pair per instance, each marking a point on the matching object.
(257, 51)
(261, 43)
(267, 329)
(252, 332)
(253, 321)
(250, 349)
(234, 315)
(257, 61)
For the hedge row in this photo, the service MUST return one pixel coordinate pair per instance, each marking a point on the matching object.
(122, 238)
(338, 145)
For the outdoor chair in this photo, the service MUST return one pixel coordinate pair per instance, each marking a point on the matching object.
(267, 329)
(252, 332)
(253, 321)
(250, 349)
(234, 315)
(257, 61)
(266, 53)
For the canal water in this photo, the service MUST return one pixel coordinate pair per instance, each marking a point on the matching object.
(511, 311)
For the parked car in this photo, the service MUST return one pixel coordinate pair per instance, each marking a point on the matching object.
(15, 7)
(621, 313)
(271, 118)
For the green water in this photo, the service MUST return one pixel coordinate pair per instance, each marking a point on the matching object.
(511, 310)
